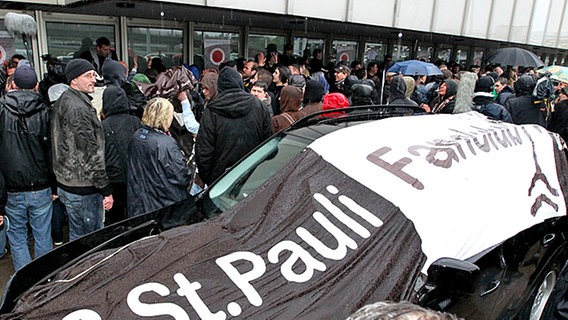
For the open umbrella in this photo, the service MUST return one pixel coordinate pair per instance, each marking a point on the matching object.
(559, 73)
(514, 57)
(415, 68)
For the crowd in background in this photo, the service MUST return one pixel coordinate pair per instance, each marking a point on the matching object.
(90, 144)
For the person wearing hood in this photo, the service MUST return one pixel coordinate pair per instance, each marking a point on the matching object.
(136, 99)
(25, 146)
(524, 108)
(233, 124)
(334, 100)
(445, 101)
(114, 74)
(118, 126)
(290, 105)
(362, 93)
(313, 97)
(397, 95)
(483, 100)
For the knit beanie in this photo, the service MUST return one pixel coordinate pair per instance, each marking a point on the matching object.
(25, 76)
(484, 84)
(77, 67)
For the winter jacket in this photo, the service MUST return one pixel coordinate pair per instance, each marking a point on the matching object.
(447, 103)
(290, 104)
(158, 175)
(484, 103)
(233, 124)
(25, 143)
(559, 120)
(505, 94)
(118, 126)
(78, 144)
(526, 109)
(398, 93)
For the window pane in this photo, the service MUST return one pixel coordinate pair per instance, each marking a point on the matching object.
(304, 47)
(258, 43)
(219, 46)
(166, 44)
(477, 56)
(445, 54)
(10, 46)
(374, 52)
(65, 40)
(345, 50)
(461, 57)
(424, 53)
(401, 53)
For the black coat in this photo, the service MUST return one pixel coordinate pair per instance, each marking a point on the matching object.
(233, 124)
(559, 120)
(526, 110)
(158, 174)
(25, 143)
(118, 126)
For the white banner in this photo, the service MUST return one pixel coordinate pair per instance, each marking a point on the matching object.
(466, 182)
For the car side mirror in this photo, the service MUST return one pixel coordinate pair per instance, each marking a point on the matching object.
(453, 274)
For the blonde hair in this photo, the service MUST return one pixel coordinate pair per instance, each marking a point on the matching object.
(158, 114)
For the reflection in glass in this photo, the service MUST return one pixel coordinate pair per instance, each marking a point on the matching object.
(144, 42)
(344, 50)
(304, 47)
(374, 52)
(68, 40)
(258, 42)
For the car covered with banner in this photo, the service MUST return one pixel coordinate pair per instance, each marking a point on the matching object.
(454, 212)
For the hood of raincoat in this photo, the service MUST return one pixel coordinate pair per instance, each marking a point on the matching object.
(209, 81)
(451, 88)
(525, 85)
(397, 89)
(114, 73)
(115, 101)
(229, 79)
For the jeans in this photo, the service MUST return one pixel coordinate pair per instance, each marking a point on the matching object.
(34, 207)
(85, 212)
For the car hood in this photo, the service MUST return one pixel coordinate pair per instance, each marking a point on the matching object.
(354, 220)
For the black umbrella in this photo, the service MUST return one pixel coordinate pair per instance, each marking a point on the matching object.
(514, 57)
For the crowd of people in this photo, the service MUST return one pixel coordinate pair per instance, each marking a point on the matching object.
(89, 144)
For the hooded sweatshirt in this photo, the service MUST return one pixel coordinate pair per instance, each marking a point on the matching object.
(290, 104)
(398, 93)
(118, 127)
(526, 109)
(233, 124)
(25, 143)
(446, 103)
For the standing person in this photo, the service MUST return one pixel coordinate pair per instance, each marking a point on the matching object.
(78, 152)
(524, 108)
(119, 126)
(232, 125)
(158, 174)
(26, 165)
(445, 101)
(99, 53)
(279, 81)
(504, 90)
(250, 69)
(316, 62)
(340, 85)
(559, 117)
(260, 90)
(484, 103)
(290, 105)
(313, 97)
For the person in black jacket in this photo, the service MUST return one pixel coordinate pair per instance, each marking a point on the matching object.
(526, 109)
(158, 174)
(559, 118)
(118, 126)
(397, 95)
(26, 165)
(233, 124)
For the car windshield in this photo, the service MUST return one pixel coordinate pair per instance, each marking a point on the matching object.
(263, 163)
